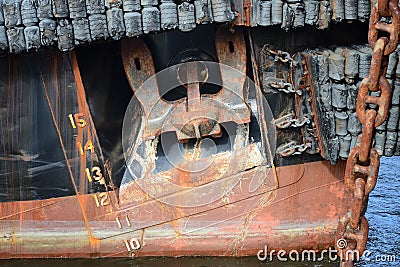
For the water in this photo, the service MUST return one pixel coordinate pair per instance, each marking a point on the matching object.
(384, 216)
(384, 237)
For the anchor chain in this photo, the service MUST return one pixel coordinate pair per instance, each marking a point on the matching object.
(362, 166)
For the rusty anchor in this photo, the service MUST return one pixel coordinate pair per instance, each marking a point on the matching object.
(196, 115)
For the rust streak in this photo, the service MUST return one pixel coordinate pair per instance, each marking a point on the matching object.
(65, 155)
(313, 102)
(83, 106)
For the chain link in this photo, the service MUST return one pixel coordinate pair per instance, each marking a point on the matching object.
(292, 148)
(289, 121)
(390, 9)
(282, 86)
(362, 166)
(281, 56)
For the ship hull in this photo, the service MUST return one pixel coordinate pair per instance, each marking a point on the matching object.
(301, 211)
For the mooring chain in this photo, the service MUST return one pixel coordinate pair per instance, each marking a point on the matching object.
(363, 162)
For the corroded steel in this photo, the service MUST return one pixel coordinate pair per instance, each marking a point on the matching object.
(354, 170)
(393, 28)
(258, 216)
(363, 163)
(383, 101)
(307, 80)
(361, 235)
(231, 51)
(31, 225)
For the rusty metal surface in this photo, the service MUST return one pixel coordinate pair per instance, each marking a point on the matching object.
(286, 217)
(280, 207)
(371, 84)
(363, 163)
(390, 9)
(308, 81)
(208, 109)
